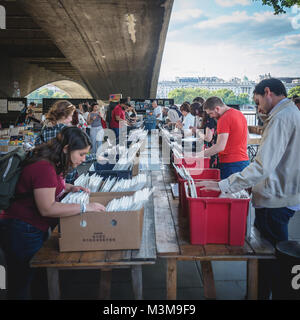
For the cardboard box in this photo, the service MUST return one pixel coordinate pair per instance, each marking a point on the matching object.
(103, 231)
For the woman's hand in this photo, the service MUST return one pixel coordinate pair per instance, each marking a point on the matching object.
(209, 185)
(194, 129)
(95, 207)
(179, 124)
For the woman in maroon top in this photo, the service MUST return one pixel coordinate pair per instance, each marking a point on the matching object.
(25, 224)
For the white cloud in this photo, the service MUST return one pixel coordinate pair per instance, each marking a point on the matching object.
(223, 60)
(291, 41)
(231, 3)
(239, 17)
(236, 17)
(185, 15)
(237, 44)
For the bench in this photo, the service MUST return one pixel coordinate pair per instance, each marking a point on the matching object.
(50, 258)
(172, 241)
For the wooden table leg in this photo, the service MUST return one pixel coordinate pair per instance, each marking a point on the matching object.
(208, 280)
(137, 281)
(53, 283)
(105, 284)
(252, 279)
(171, 279)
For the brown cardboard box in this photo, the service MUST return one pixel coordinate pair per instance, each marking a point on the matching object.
(104, 231)
(114, 195)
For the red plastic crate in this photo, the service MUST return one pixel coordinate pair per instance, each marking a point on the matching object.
(196, 174)
(192, 162)
(216, 220)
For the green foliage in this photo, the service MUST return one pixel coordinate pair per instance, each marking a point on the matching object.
(294, 91)
(46, 93)
(188, 94)
(280, 5)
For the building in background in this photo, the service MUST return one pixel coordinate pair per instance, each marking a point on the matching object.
(237, 85)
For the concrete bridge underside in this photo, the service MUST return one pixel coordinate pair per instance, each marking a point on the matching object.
(102, 46)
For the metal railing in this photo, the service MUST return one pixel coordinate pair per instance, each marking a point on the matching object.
(251, 118)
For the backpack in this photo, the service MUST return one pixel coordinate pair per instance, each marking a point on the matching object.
(10, 169)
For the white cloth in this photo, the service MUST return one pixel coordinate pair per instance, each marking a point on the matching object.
(81, 120)
(85, 116)
(173, 116)
(188, 121)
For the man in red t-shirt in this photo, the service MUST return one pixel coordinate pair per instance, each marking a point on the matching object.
(117, 118)
(232, 130)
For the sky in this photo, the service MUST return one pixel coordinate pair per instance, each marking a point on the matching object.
(230, 38)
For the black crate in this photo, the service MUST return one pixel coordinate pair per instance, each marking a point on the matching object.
(107, 171)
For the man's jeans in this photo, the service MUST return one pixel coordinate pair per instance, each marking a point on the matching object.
(117, 133)
(227, 169)
(272, 223)
(20, 241)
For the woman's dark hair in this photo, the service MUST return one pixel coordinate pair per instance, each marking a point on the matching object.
(197, 110)
(93, 105)
(275, 86)
(199, 99)
(185, 107)
(75, 118)
(85, 108)
(52, 151)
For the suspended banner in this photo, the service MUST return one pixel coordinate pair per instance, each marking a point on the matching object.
(15, 105)
(3, 105)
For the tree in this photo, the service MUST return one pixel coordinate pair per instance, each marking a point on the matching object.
(243, 98)
(280, 5)
(178, 95)
(46, 93)
(294, 91)
(188, 94)
(60, 95)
